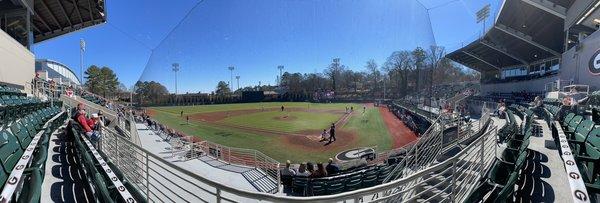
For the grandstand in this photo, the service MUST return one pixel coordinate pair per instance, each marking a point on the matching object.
(528, 131)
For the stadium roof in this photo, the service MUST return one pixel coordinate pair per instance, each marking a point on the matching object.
(52, 18)
(524, 31)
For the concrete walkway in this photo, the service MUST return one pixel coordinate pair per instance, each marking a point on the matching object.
(63, 180)
(223, 173)
(546, 178)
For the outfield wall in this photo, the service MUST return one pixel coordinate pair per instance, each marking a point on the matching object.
(16, 62)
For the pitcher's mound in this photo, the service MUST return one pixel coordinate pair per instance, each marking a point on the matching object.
(285, 118)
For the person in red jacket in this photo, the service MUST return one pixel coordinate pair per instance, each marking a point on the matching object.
(84, 122)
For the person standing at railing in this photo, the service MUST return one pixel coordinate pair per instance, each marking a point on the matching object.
(332, 167)
(98, 127)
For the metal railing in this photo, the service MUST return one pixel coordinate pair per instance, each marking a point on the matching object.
(423, 152)
(162, 181)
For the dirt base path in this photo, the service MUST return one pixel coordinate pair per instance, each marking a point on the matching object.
(401, 134)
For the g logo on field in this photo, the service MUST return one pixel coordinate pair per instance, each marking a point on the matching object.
(595, 63)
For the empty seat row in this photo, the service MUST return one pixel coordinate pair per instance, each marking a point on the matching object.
(368, 177)
(498, 185)
(14, 107)
(584, 140)
(5, 90)
(15, 140)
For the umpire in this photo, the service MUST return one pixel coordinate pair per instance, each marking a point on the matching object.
(332, 133)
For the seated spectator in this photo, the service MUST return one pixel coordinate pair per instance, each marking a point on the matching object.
(320, 172)
(97, 126)
(302, 172)
(310, 167)
(287, 171)
(332, 168)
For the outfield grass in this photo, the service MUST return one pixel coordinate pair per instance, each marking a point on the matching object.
(371, 133)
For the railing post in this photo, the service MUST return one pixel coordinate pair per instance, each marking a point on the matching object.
(278, 177)
(482, 154)
(453, 182)
(147, 179)
(117, 151)
(218, 195)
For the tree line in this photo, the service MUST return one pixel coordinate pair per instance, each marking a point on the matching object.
(402, 73)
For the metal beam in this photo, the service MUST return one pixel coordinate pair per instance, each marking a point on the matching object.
(480, 59)
(51, 14)
(524, 37)
(78, 12)
(36, 28)
(62, 8)
(503, 51)
(42, 20)
(90, 7)
(549, 7)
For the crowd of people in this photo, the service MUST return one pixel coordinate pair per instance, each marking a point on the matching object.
(309, 169)
(91, 125)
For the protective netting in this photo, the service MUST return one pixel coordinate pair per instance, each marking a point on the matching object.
(256, 36)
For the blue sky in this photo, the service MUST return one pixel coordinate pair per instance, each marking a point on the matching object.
(256, 36)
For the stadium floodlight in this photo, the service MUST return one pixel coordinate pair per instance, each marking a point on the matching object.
(238, 81)
(81, 50)
(175, 69)
(231, 68)
(482, 15)
(280, 67)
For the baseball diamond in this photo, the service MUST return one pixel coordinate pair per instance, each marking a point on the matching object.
(296, 131)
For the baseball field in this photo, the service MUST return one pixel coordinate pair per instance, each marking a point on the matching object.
(293, 133)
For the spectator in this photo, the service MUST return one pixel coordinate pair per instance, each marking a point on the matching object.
(80, 106)
(83, 121)
(287, 171)
(320, 172)
(97, 126)
(310, 167)
(537, 102)
(332, 168)
(302, 172)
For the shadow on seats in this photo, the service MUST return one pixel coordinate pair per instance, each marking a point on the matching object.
(71, 185)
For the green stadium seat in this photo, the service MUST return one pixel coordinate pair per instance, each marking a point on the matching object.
(21, 133)
(572, 125)
(32, 188)
(102, 189)
(318, 186)
(383, 172)
(577, 139)
(336, 185)
(135, 192)
(299, 185)
(354, 182)
(370, 177)
(10, 151)
(567, 119)
(501, 170)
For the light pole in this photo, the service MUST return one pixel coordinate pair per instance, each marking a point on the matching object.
(238, 81)
(175, 69)
(81, 50)
(231, 68)
(280, 67)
